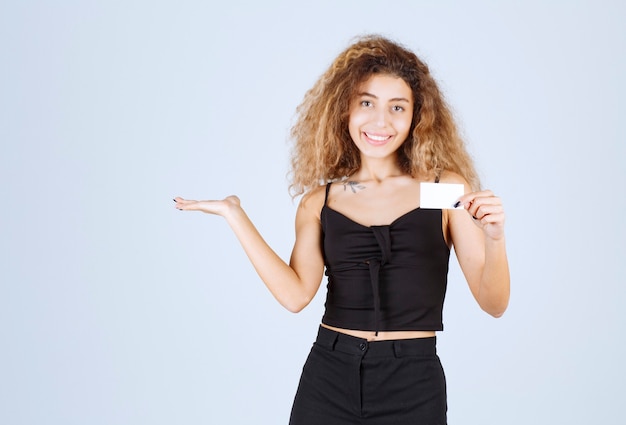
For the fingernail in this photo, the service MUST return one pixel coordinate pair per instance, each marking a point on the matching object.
(457, 204)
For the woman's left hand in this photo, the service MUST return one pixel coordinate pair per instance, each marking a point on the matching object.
(486, 211)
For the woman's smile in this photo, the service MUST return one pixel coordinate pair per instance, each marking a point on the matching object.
(376, 139)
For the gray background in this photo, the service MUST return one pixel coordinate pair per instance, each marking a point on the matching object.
(117, 309)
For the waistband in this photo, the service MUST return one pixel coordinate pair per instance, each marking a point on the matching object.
(337, 341)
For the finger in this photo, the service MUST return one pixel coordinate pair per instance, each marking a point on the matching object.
(496, 218)
(472, 196)
(189, 206)
(485, 209)
(180, 200)
(485, 205)
(484, 201)
(489, 204)
(184, 204)
(489, 213)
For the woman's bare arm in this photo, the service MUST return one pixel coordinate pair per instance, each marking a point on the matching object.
(477, 234)
(294, 285)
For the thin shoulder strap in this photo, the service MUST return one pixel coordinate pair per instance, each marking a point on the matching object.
(327, 190)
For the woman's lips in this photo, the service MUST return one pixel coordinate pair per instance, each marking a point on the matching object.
(377, 139)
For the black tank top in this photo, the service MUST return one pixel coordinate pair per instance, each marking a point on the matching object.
(385, 278)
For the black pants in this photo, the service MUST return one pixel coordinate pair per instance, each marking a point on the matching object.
(348, 380)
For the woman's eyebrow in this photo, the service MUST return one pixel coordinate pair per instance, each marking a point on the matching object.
(367, 94)
(395, 99)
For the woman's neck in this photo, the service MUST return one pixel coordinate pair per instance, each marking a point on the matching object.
(377, 169)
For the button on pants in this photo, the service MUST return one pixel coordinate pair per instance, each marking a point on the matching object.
(348, 380)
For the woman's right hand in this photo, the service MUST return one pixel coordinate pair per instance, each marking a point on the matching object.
(210, 207)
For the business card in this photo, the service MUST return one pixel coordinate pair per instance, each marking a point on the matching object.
(440, 195)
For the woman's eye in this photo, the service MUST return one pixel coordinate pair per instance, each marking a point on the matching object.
(366, 103)
(397, 108)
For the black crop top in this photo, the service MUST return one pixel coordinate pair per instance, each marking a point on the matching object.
(385, 278)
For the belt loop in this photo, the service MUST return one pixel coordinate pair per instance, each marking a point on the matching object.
(327, 338)
(334, 341)
(397, 349)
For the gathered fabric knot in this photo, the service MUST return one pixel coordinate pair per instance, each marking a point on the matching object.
(383, 237)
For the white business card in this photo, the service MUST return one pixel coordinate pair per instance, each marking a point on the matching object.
(440, 195)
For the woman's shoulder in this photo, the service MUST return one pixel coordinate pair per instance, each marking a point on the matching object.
(452, 178)
(313, 201)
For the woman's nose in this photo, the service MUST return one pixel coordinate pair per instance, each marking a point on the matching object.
(381, 118)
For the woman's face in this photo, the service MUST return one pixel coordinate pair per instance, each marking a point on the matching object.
(381, 115)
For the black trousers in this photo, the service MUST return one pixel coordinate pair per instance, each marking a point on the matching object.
(348, 380)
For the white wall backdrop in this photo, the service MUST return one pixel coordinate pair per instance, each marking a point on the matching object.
(117, 309)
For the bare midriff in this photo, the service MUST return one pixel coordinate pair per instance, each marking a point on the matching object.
(382, 335)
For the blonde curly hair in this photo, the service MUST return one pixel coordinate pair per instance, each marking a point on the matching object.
(323, 150)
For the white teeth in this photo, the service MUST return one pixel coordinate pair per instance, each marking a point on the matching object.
(377, 138)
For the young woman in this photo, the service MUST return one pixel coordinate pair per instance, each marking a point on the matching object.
(372, 128)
